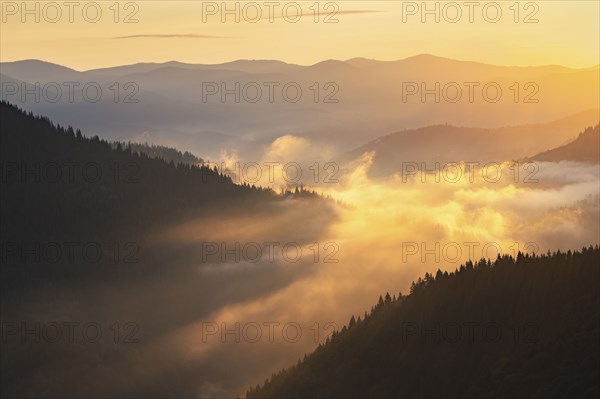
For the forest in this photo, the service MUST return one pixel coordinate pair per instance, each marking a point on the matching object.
(514, 327)
(165, 153)
(59, 185)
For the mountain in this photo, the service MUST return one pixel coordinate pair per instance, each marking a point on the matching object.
(96, 232)
(58, 185)
(125, 187)
(524, 327)
(425, 64)
(585, 148)
(247, 66)
(449, 144)
(33, 71)
(337, 104)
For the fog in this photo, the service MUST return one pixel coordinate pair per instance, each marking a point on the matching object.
(246, 105)
(389, 233)
(225, 297)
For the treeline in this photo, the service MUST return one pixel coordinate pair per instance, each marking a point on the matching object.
(55, 178)
(167, 154)
(517, 327)
(60, 186)
(585, 148)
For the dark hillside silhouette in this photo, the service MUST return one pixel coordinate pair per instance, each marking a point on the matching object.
(62, 192)
(518, 328)
(165, 153)
(585, 148)
(59, 186)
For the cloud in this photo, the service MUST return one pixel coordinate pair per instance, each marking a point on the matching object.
(253, 305)
(374, 220)
(174, 36)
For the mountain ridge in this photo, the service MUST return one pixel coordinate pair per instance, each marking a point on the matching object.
(415, 58)
(417, 345)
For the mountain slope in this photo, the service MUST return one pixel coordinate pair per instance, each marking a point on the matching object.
(585, 148)
(167, 154)
(105, 187)
(39, 71)
(513, 328)
(145, 222)
(342, 105)
(247, 66)
(446, 144)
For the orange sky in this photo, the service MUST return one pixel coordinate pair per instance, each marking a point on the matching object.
(545, 32)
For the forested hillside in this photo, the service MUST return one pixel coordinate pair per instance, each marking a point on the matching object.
(165, 153)
(60, 186)
(524, 327)
(585, 148)
(54, 178)
(93, 232)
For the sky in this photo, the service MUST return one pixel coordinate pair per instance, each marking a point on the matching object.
(97, 34)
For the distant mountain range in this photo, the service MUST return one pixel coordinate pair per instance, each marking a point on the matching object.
(448, 144)
(353, 101)
(585, 148)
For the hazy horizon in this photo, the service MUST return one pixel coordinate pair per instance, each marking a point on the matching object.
(228, 61)
(203, 31)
